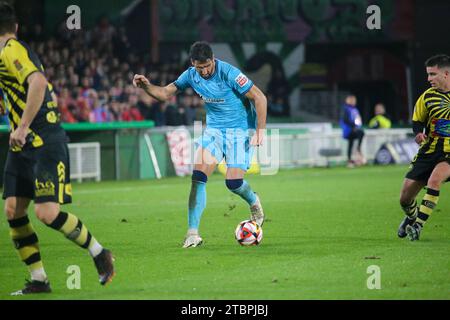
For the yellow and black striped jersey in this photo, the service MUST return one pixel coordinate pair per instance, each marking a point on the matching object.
(433, 110)
(17, 62)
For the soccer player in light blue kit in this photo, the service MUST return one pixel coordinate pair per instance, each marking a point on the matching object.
(236, 112)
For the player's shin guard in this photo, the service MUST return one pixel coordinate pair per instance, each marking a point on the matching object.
(76, 231)
(243, 189)
(197, 199)
(27, 244)
(429, 202)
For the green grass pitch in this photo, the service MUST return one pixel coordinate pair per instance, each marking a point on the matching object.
(324, 229)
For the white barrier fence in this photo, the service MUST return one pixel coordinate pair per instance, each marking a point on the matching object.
(299, 150)
(294, 150)
(320, 145)
(85, 161)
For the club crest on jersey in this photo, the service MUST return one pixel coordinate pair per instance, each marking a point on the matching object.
(18, 65)
(241, 80)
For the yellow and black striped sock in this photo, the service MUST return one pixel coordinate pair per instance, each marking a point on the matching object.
(429, 202)
(410, 209)
(27, 244)
(75, 230)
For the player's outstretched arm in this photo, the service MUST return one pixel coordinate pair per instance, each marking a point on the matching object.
(37, 84)
(157, 92)
(260, 102)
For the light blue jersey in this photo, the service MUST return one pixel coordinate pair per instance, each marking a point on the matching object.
(224, 96)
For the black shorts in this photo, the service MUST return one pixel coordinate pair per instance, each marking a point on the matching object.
(42, 174)
(357, 134)
(423, 165)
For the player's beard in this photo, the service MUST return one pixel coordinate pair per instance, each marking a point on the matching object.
(210, 74)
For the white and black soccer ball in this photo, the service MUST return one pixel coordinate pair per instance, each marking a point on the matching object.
(248, 233)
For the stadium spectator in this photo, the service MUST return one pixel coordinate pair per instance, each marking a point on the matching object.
(66, 104)
(114, 109)
(130, 111)
(100, 111)
(275, 106)
(103, 34)
(380, 120)
(175, 114)
(200, 112)
(186, 102)
(278, 88)
(158, 113)
(144, 104)
(351, 124)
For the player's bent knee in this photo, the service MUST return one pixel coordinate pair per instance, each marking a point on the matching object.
(199, 176)
(405, 199)
(233, 184)
(47, 212)
(10, 210)
(42, 216)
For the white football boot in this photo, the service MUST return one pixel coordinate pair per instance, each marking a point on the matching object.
(257, 213)
(192, 239)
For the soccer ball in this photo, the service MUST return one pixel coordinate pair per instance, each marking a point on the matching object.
(248, 233)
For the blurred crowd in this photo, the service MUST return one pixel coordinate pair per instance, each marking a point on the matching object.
(92, 70)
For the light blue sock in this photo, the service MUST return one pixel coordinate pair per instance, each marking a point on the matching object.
(243, 189)
(197, 203)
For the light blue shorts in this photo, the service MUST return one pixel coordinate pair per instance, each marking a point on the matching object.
(231, 144)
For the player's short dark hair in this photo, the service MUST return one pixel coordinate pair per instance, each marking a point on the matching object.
(201, 51)
(439, 60)
(8, 18)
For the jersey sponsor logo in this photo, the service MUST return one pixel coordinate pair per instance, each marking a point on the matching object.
(46, 188)
(241, 80)
(212, 100)
(18, 65)
(52, 117)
